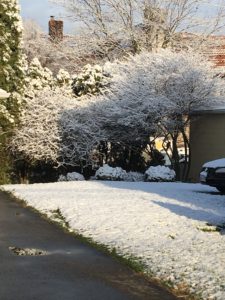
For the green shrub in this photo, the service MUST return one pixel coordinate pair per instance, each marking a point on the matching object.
(11, 77)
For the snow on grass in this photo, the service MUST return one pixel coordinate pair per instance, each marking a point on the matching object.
(166, 225)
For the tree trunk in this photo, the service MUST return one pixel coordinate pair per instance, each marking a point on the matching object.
(175, 157)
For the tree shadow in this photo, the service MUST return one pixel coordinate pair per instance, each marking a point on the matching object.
(190, 213)
(193, 201)
(210, 193)
(197, 214)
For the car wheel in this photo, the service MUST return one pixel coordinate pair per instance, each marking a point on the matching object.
(221, 189)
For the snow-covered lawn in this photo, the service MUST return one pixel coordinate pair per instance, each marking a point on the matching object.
(164, 224)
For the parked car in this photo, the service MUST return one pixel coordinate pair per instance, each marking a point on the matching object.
(213, 174)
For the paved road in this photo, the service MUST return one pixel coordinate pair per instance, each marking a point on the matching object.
(70, 271)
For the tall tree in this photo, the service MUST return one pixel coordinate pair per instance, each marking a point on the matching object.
(11, 72)
(138, 24)
(150, 94)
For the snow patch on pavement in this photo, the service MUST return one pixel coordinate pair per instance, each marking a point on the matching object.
(156, 222)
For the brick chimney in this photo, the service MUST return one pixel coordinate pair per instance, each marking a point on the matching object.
(55, 29)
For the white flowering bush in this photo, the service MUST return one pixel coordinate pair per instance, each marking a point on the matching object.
(108, 173)
(160, 173)
(72, 176)
(91, 80)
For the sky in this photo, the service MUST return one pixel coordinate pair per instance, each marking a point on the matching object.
(41, 10)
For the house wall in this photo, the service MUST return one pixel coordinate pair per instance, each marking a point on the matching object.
(207, 139)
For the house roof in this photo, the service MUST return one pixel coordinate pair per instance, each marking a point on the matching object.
(216, 52)
(212, 47)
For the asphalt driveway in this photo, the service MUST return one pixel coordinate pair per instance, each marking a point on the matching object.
(68, 269)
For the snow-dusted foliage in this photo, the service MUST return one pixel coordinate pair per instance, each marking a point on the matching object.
(39, 77)
(63, 77)
(147, 96)
(108, 173)
(118, 174)
(5, 115)
(3, 94)
(116, 27)
(71, 54)
(180, 81)
(11, 60)
(38, 138)
(72, 176)
(53, 56)
(134, 177)
(153, 94)
(57, 129)
(90, 81)
(11, 78)
(154, 90)
(160, 173)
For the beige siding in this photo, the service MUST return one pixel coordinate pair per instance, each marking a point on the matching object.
(207, 137)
